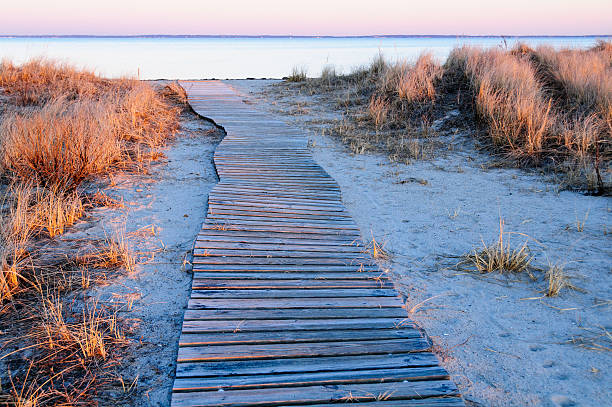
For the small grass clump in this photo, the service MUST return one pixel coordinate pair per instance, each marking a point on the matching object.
(500, 257)
(557, 280)
(377, 250)
(298, 74)
(113, 253)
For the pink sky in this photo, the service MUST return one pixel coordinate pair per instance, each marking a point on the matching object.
(310, 17)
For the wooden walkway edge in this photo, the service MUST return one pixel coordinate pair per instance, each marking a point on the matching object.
(287, 308)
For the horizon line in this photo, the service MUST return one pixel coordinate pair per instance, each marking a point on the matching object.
(299, 36)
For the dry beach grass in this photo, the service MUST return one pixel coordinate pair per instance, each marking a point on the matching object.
(60, 130)
(541, 107)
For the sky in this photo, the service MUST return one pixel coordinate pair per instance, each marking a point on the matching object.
(306, 17)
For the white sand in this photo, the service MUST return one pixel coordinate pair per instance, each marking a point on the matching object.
(500, 345)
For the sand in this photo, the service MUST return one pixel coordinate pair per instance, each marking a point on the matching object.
(500, 339)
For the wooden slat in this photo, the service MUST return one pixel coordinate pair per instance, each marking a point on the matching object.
(291, 320)
(287, 306)
(316, 394)
(295, 313)
(278, 303)
(303, 365)
(293, 293)
(267, 337)
(286, 284)
(297, 350)
(311, 379)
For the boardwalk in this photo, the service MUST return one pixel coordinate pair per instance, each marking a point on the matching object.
(287, 308)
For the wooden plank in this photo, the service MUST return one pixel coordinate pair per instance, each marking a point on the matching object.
(209, 231)
(261, 303)
(306, 277)
(347, 257)
(235, 211)
(302, 284)
(310, 379)
(300, 365)
(267, 293)
(305, 230)
(280, 203)
(243, 324)
(297, 350)
(299, 314)
(316, 394)
(280, 261)
(257, 219)
(266, 337)
(277, 246)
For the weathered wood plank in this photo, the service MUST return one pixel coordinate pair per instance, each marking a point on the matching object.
(302, 284)
(289, 320)
(228, 245)
(317, 394)
(286, 261)
(297, 365)
(289, 268)
(329, 277)
(267, 293)
(310, 379)
(307, 349)
(267, 337)
(278, 303)
(445, 401)
(349, 257)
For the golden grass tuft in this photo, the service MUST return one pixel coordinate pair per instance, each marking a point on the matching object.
(377, 250)
(499, 257)
(64, 127)
(583, 76)
(60, 128)
(298, 74)
(71, 350)
(378, 110)
(74, 136)
(114, 252)
(557, 280)
(88, 332)
(414, 83)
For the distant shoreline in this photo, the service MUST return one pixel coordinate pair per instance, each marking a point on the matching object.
(305, 36)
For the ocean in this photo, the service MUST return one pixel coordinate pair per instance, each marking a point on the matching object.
(243, 57)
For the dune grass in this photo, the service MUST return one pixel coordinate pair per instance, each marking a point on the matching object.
(508, 98)
(539, 107)
(60, 128)
(298, 74)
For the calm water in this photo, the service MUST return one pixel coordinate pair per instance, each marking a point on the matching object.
(196, 58)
